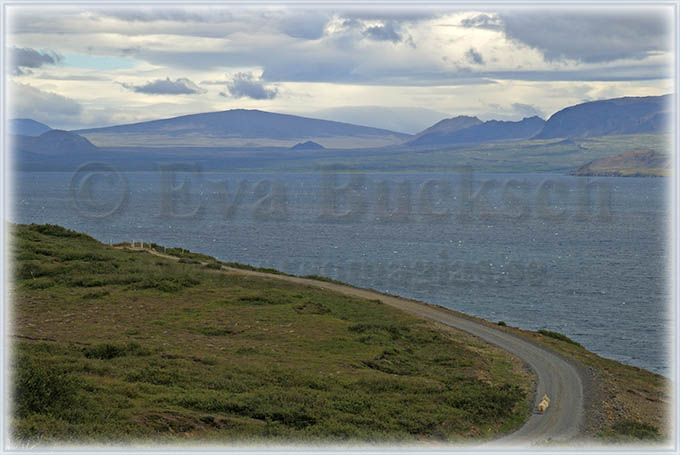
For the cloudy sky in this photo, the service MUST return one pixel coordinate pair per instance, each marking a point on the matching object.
(79, 67)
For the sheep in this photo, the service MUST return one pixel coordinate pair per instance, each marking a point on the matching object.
(543, 405)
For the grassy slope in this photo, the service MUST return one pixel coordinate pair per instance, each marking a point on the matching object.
(112, 344)
(623, 403)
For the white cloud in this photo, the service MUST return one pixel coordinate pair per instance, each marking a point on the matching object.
(51, 108)
(307, 59)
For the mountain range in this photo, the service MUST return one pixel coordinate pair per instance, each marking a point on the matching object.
(254, 128)
(27, 127)
(242, 128)
(53, 142)
(629, 115)
(257, 135)
(445, 133)
(449, 125)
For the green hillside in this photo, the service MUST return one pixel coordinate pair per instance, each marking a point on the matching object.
(118, 345)
(546, 155)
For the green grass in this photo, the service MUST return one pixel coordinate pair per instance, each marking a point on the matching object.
(189, 257)
(526, 156)
(115, 345)
(556, 335)
(636, 430)
(237, 265)
(323, 278)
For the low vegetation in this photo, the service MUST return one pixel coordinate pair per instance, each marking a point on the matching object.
(557, 336)
(323, 278)
(113, 344)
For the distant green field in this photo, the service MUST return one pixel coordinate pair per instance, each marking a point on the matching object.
(553, 155)
(117, 345)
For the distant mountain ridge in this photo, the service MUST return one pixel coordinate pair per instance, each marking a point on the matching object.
(477, 132)
(628, 115)
(616, 116)
(241, 127)
(27, 127)
(54, 143)
(450, 125)
(259, 129)
(309, 145)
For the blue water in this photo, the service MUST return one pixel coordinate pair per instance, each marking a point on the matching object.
(526, 249)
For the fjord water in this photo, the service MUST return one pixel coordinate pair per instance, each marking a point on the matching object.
(529, 251)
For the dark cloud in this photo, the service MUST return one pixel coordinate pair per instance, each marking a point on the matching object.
(385, 32)
(344, 65)
(130, 51)
(593, 74)
(474, 57)
(24, 57)
(138, 14)
(482, 21)
(591, 37)
(358, 50)
(245, 85)
(181, 86)
(308, 25)
(402, 14)
(587, 35)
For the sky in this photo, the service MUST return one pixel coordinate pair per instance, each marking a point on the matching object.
(395, 67)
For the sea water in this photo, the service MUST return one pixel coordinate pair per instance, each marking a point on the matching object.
(587, 257)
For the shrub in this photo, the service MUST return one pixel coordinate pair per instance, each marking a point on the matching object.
(154, 375)
(483, 403)
(213, 265)
(40, 283)
(109, 351)
(237, 265)
(55, 230)
(42, 389)
(502, 323)
(188, 261)
(87, 281)
(394, 330)
(635, 429)
(323, 278)
(261, 300)
(558, 336)
(168, 283)
(32, 270)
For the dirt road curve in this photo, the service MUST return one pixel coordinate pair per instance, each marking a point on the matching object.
(555, 377)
